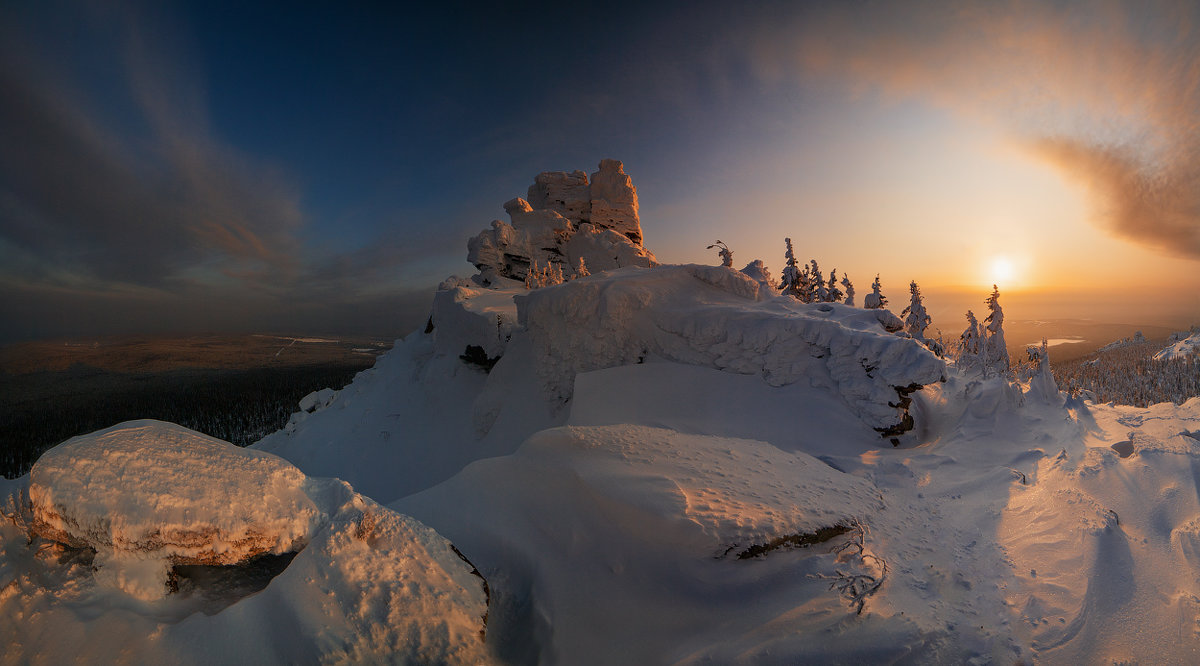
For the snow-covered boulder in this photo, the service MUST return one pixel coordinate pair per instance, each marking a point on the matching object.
(628, 544)
(368, 584)
(711, 316)
(317, 400)
(758, 271)
(565, 219)
(148, 494)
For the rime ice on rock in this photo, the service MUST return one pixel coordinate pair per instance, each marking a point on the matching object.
(155, 490)
(368, 585)
(565, 219)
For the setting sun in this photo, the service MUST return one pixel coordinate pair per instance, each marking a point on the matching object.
(1001, 271)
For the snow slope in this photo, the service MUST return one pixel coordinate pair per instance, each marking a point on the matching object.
(1180, 348)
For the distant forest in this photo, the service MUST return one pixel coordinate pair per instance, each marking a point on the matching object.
(42, 409)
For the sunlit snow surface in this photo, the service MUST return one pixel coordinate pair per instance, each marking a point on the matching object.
(608, 517)
(1180, 349)
(368, 584)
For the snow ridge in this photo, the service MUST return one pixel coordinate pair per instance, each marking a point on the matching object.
(711, 316)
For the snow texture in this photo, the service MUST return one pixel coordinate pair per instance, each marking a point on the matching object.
(665, 465)
(368, 585)
(149, 490)
(711, 316)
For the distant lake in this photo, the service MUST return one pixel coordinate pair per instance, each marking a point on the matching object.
(1050, 342)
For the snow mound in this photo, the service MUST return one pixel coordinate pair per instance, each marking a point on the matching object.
(565, 219)
(465, 315)
(1182, 348)
(711, 316)
(635, 532)
(158, 493)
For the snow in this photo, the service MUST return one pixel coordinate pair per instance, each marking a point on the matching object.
(1180, 349)
(136, 493)
(663, 465)
(711, 316)
(368, 584)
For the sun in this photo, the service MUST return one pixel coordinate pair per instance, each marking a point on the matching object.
(1001, 271)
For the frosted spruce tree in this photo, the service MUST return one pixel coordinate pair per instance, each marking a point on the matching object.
(849, 289)
(818, 292)
(969, 343)
(724, 252)
(875, 300)
(917, 320)
(832, 293)
(804, 285)
(995, 351)
(582, 270)
(791, 274)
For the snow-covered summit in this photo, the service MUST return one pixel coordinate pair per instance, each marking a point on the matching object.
(565, 219)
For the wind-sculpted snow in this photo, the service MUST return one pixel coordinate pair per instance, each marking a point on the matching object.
(711, 316)
(467, 315)
(634, 532)
(367, 586)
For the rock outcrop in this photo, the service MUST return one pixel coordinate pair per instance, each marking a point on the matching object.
(565, 219)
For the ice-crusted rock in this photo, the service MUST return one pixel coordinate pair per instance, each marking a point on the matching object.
(317, 400)
(615, 201)
(565, 219)
(368, 585)
(711, 316)
(158, 491)
(758, 271)
(567, 194)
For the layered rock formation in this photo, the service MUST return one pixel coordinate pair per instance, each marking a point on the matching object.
(565, 219)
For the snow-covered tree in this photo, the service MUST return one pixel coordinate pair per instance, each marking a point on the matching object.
(554, 274)
(833, 294)
(917, 320)
(581, 270)
(849, 289)
(819, 294)
(790, 283)
(995, 351)
(875, 300)
(1041, 383)
(969, 343)
(532, 276)
(724, 252)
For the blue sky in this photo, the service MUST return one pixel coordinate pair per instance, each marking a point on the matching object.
(318, 168)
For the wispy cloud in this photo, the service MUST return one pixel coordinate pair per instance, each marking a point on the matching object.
(79, 191)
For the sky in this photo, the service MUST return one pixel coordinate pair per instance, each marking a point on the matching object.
(318, 167)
